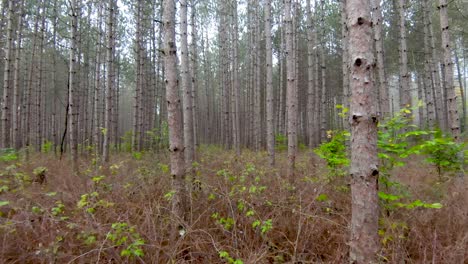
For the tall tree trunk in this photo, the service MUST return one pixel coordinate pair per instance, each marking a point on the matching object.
(323, 71)
(137, 100)
(186, 89)
(441, 114)
(269, 85)
(364, 162)
(16, 118)
(291, 97)
(405, 95)
(236, 85)
(345, 59)
(194, 76)
(97, 84)
(174, 118)
(7, 91)
(462, 91)
(72, 94)
(428, 83)
(452, 107)
(110, 79)
(383, 87)
(29, 111)
(310, 75)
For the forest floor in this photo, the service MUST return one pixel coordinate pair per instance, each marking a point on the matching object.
(241, 211)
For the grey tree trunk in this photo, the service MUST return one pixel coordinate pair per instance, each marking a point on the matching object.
(405, 95)
(379, 48)
(429, 85)
(345, 59)
(441, 114)
(16, 118)
(452, 107)
(174, 118)
(236, 86)
(291, 96)
(72, 93)
(97, 86)
(462, 91)
(110, 79)
(310, 75)
(194, 75)
(7, 91)
(138, 87)
(364, 171)
(186, 89)
(269, 85)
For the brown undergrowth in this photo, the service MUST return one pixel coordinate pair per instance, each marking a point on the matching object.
(242, 211)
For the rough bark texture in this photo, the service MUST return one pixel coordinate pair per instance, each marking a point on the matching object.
(269, 85)
(383, 88)
(186, 89)
(6, 107)
(72, 83)
(462, 92)
(405, 95)
(452, 107)
(97, 86)
(345, 58)
(291, 96)
(428, 84)
(110, 79)
(310, 75)
(174, 117)
(363, 119)
(440, 112)
(16, 120)
(236, 86)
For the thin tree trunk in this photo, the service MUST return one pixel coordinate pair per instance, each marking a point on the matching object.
(16, 137)
(176, 140)
(462, 91)
(236, 86)
(110, 79)
(383, 87)
(6, 107)
(72, 97)
(269, 85)
(291, 92)
(405, 95)
(345, 59)
(310, 75)
(429, 85)
(441, 114)
(186, 89)
(364, 162)
(194, 76)
(137, 100)
(452, 107)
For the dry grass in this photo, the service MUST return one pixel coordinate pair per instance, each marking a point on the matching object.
(305, 228)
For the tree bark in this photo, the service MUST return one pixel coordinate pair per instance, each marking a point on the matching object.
(452, 107)
(16, 137)
(291, 96)
(269, 85)
(405, 95)
(174, 118)
(7, 91)
(110, 79)
(73, 113)
(186, 89)
(462, 92)
(428, 83)
(383, 87)
(364, 162)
